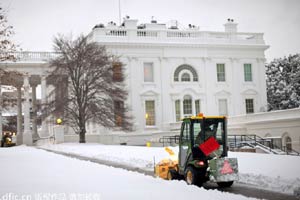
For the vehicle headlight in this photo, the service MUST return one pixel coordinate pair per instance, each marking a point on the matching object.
(8, 140)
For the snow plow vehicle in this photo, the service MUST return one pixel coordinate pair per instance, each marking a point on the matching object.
(202, 153)
(8, 139)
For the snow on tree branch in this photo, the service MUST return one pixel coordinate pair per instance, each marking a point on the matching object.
(283, 83)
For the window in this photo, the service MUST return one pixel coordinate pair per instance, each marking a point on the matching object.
(185, 77)
(223, 111)
(117, 72)
(185, 141)
(186, 134)
(221, 72)
(118, 109)
(249, 106)
(288, 144)
(197, 131)
(197, 107)
(150, 113)
(177, 110)
(148, 72)
(187, 106)
(248, 72)
(188, 68)
(219, 133)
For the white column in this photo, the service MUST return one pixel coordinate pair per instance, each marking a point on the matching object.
(34, 109)
(193, 107)
(236, 84)
(262, 88)
(173, 114)
(44, 132)
(27, 136)
(129, 80)
(0, 110)
(204, 80)
(181, 108)
(19, 116)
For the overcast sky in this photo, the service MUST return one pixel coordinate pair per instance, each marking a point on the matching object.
(36, 22)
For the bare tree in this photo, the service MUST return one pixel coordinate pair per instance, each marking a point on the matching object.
(91, 86)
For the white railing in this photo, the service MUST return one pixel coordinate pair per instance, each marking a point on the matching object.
(116, 32)
(112, 34)
(147, 33)
(183, 34)
(34, 56)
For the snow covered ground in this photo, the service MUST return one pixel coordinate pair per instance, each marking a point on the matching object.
(268, 171)
(272, 172)
(30, 173)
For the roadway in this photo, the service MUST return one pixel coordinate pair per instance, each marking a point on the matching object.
(237, 188)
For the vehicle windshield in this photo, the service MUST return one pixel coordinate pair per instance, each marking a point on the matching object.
(212, 127)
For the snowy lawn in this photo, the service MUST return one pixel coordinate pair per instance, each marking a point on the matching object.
(273, 172)
(36, 174)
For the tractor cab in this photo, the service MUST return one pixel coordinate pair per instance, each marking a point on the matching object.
(195, 131)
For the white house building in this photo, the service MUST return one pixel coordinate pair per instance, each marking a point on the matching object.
(173, 73)
(170, 73)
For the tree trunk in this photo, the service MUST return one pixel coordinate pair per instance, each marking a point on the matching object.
(82, 135)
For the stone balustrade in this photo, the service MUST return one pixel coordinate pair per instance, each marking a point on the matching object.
(33, 56)
(121, 34)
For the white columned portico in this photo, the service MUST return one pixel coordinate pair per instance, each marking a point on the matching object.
(27, 136)
(19, 116)
(44, 132)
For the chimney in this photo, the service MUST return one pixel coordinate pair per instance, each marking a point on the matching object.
(130, 23)
(230, 26)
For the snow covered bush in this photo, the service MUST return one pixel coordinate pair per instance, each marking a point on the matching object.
(283, 83)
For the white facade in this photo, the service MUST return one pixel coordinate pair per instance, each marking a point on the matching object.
(177, 56)
(281, 125)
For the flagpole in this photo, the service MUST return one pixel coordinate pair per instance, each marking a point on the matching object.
(119, 12)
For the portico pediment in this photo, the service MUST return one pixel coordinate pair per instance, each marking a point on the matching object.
(249, 92)
(175, 94)
(150, 92)
(222, 93)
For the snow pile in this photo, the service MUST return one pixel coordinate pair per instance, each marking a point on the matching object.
(273, 172)
(134, 156)
(37, 173)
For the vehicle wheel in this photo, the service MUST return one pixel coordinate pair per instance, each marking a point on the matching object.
(172, 175)
(192, 176)
(225, 184)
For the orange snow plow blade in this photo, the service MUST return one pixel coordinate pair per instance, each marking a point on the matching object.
(162, 168)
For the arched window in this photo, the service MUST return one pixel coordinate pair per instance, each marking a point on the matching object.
(187, 105)
(188, 68)
(288, 144)
(185, 77)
